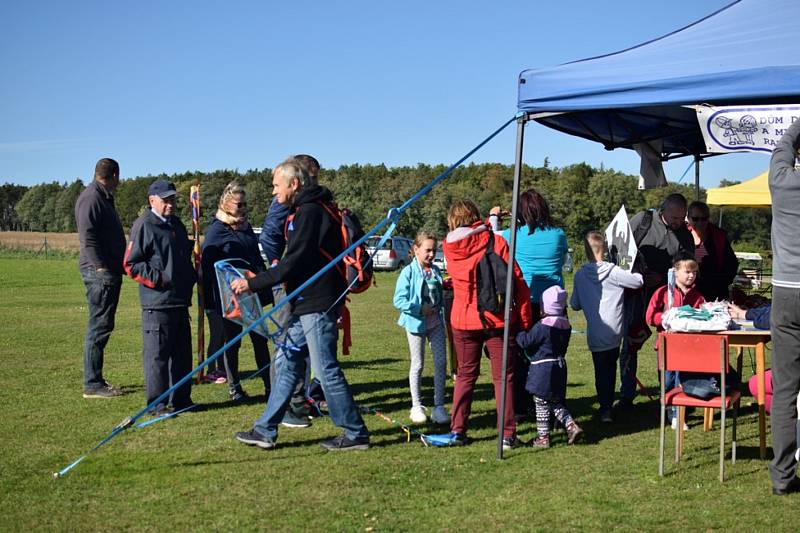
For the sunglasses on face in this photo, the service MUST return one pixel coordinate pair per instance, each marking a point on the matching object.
(698, 219)
(240, 205)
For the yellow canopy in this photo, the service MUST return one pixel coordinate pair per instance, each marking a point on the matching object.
(751, 193)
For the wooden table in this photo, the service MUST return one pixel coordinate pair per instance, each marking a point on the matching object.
(750, 337)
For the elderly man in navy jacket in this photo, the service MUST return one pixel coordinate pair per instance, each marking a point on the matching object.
(158, 259)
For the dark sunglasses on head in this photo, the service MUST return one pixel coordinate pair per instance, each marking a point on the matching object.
(698, 219)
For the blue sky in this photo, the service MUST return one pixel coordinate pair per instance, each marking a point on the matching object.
(196, 85)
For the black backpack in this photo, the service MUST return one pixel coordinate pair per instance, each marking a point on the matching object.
(491, 282)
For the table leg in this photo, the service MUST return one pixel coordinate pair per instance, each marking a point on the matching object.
(762, 414)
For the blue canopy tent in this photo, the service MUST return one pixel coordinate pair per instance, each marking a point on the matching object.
(745, 53)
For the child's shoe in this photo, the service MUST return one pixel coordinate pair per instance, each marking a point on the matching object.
(418, 415)
(574, 432)
(440, 415)
(674, 424)
(542, 441)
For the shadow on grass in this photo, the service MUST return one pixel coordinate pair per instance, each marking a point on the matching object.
(346, 363)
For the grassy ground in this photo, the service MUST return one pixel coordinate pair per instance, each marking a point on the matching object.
(189, 473)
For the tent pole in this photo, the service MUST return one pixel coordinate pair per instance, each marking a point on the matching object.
(697, 160)
(509, 280)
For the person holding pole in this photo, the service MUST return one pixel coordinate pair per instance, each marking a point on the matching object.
(102, 245)
(312, 237)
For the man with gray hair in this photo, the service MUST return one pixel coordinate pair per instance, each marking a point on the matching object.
(102, 245)
(784, 185)
(273, 243)
(313, 237)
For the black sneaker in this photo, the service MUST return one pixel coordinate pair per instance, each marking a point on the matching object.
(104, 391)
(291, 420)
(161, 410)
(791, 487)
(343, 444)
(237, 394)
(254, 438)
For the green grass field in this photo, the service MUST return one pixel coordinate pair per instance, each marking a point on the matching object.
(189, 473)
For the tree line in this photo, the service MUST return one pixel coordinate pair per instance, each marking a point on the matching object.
(581, 197)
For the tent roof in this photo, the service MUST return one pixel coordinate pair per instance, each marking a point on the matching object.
(751, 193)
(745, 53)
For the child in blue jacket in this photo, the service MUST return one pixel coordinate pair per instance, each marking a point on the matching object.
(545, 345)
(418, 297)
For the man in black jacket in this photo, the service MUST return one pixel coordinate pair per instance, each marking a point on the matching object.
(102, 244)
(313, 237)
(158, 259)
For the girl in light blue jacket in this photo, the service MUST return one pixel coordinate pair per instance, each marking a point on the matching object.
(418, 297)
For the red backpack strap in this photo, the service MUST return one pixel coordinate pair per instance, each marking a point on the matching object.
(336, 217)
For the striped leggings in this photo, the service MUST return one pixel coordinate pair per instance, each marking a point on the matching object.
(416, 346)
(544, 408)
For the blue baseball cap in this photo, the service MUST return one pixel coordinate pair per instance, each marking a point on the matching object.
(162, 189)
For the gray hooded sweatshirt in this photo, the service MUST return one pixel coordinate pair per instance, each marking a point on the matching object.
(784, 185)
(599, 290)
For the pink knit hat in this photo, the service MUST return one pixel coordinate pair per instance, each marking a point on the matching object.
(554, 301)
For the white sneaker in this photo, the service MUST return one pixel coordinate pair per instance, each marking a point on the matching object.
(418, 415)
(440, 415)
(674, 424)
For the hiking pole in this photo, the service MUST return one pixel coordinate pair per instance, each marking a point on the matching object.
(194, 200)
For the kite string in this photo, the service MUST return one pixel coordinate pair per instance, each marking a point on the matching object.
(393, 215)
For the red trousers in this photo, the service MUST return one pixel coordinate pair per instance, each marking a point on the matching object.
(469, 350)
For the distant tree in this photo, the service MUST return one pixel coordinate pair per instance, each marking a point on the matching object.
(10, 194)
(64, 209)
(36, 207)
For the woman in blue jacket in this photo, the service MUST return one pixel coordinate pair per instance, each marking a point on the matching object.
(230, 236)
(418, 297)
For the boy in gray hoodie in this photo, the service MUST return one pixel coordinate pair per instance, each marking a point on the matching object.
(598, 290)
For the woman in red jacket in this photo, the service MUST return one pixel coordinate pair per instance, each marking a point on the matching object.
(464, 247)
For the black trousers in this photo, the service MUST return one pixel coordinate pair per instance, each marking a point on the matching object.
(167, 354)
(222, 331)
(785, 322)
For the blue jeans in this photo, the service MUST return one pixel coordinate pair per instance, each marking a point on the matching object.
(321, 336)
(605, 374)
(102, 294)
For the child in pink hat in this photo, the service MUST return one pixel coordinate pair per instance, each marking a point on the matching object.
(545, 346)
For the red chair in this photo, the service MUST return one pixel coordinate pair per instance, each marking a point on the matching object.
(695, 352)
